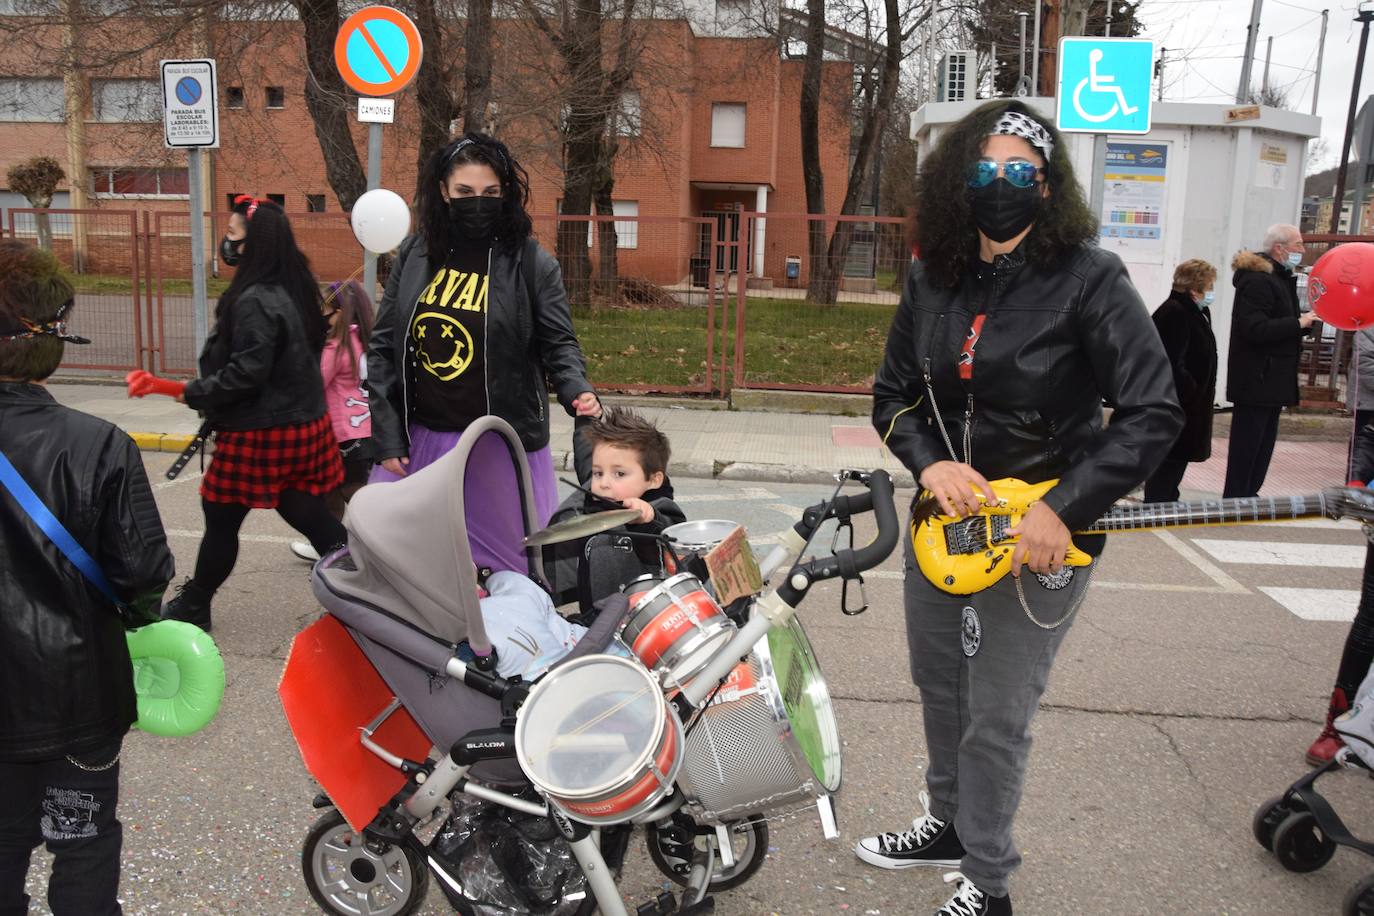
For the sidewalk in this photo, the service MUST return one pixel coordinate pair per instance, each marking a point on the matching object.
(737, 445)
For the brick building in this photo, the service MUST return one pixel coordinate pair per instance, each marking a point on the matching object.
(713, 130)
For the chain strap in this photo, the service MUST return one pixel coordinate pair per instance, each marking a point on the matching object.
(96, 769)
(1021, 595)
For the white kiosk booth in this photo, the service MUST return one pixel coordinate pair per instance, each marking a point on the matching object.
(1193, 187)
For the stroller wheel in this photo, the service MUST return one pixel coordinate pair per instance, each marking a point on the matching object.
(1267, 818)
(671, 845)
(348, 878)
(1359, 901)
(1300, 845)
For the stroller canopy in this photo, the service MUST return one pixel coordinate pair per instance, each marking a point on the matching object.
(409, 542)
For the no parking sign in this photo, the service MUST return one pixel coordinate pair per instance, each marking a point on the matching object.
(378, 51)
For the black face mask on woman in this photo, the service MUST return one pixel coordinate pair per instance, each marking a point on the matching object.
(230, 250)
(475, 217)
(1001, 210)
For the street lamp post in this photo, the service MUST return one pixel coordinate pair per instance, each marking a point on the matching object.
(1364, 17)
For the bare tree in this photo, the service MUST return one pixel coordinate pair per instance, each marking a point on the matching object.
(477, 65)
(596, 80)
(328, 101)
(37, 179)
(878, 78)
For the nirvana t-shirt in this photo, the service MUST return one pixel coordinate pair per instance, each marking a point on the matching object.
(448, 338)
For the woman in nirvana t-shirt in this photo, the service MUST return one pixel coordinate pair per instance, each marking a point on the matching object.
(466, 329)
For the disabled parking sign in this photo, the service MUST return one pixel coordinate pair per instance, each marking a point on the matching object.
(1104, 85)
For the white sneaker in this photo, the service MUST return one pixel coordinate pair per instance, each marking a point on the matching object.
(303, 551)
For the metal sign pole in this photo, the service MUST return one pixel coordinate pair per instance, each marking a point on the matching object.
(199, 302)
(374, 180)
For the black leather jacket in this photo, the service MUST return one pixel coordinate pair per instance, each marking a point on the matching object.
(66, 685)
(1056, 343)
(529, 346)
(258, 369)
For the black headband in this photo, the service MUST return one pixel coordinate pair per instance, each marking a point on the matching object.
(459, 145)
(55, 326)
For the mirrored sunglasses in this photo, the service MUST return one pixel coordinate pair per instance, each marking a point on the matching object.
(1019, 173)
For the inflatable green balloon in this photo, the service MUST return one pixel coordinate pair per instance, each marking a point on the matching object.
(178, 676)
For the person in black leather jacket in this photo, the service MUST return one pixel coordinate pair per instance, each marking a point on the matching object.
(475, 321)
(260, 389)
(66, 683)
(1011, 332)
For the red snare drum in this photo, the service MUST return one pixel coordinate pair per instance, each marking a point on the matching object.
(597, 737)
(674, 625)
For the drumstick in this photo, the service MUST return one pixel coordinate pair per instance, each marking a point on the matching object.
(595, 496)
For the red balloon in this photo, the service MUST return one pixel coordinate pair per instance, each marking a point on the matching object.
(1341, 286)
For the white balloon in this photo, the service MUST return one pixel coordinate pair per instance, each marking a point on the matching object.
(380, 220)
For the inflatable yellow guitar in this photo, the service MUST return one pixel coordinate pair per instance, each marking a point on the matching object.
(966, 555)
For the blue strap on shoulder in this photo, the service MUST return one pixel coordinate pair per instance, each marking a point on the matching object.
(42, 517)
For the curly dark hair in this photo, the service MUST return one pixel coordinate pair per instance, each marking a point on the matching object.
(431, 210)
(945, 234)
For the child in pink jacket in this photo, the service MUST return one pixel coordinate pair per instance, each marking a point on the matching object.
(343, 365)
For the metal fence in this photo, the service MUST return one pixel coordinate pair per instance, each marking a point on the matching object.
(99, 248)
(700, 305)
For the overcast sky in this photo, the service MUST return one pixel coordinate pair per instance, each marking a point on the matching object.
(1206, 41)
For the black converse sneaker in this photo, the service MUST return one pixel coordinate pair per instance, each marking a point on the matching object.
(930, 841)
(968, 900)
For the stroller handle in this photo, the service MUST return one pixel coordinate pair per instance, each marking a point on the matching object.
(776, 607)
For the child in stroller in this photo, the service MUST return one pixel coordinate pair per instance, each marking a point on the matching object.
(384, 662)
(622, 459)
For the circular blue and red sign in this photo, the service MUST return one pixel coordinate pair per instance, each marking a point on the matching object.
(378, 51)
(188, 90)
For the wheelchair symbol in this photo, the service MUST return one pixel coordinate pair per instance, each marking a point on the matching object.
(1100, 85)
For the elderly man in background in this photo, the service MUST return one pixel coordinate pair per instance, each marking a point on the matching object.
(1267, 328)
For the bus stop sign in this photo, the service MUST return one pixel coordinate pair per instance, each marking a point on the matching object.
(1104, 85)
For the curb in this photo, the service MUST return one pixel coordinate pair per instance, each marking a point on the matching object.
(161, 442)
(755, 471)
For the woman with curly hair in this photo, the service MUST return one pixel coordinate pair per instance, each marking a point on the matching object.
(475, 321)
(1012, 330)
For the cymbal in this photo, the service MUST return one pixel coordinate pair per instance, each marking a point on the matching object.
(581, 526)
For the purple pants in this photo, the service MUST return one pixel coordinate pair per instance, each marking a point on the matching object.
(490, 493)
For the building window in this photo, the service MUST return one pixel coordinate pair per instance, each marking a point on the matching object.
(727, 124)
(627, 121)
(31, 100)
(233, 196)
(233, 97)
(626, 231)
(278, 199)
(314, 203)
(126, 100)
(276, 97)
(116, 181)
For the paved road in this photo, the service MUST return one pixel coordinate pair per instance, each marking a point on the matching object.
(1183, 696)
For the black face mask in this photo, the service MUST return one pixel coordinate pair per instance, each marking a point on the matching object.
(1001, 210)
(230, 250)
(475, 217)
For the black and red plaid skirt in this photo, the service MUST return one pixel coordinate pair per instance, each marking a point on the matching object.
(252, 467)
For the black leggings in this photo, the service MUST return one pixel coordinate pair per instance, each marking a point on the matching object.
(219, 549)
(1359, 644)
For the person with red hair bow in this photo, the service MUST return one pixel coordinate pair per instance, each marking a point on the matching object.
(261, 391)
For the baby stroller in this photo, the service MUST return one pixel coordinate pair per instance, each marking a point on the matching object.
(536, 787)
(1302, 829)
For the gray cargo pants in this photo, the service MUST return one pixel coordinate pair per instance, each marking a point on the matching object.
(978, 708)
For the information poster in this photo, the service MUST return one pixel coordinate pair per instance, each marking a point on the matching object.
(1133, 192)
(1272, 171)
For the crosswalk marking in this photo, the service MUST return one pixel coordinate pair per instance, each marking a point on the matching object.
(1316, 603)
(1283, 553)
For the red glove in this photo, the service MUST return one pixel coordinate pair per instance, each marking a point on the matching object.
(143, 383)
